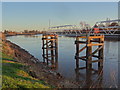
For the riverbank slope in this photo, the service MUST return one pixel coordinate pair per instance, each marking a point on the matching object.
(22, 70)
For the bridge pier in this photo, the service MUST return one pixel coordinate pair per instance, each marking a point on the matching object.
(89, 42)
(50, 49)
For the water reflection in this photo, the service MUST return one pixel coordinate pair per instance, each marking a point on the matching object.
(51, 59)
(32, 36)
(89, 78)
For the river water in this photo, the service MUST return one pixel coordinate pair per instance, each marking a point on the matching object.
(106, 77)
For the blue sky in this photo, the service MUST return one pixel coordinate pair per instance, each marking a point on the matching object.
(60, 0)
(35, 15)
(0, 16)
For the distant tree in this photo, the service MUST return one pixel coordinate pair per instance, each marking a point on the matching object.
(5, 31)
(25, 31)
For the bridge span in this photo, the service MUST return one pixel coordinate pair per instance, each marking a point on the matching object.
(107, 28)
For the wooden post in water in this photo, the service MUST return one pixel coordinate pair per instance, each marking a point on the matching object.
(101, 52)
(89, 42)
(46, 49)
(88, 53)
(56, 50)
(52, 52)
(43, 43)
(50, 49)
(77, 52)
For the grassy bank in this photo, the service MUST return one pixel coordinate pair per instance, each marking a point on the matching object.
(16, 75)
(22, 70)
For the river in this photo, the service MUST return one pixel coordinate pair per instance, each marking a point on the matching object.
(108, 76)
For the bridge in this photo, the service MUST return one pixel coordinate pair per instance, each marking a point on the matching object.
(109, 27)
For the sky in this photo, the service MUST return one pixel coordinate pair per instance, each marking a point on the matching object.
(60, 0)
(0, 16)
(19, 16)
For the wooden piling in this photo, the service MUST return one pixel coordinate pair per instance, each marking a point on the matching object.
(89, 43)
(88, 53)
(52, 52)
(50, 49)
(77, 52)
(43, 43)
(101, 52)
(56, 50)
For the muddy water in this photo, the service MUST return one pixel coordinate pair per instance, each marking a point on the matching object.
(106, 77)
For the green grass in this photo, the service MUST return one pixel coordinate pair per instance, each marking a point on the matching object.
(6, 57)
(15, 75)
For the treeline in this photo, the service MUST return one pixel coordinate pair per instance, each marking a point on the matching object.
(25, 31)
